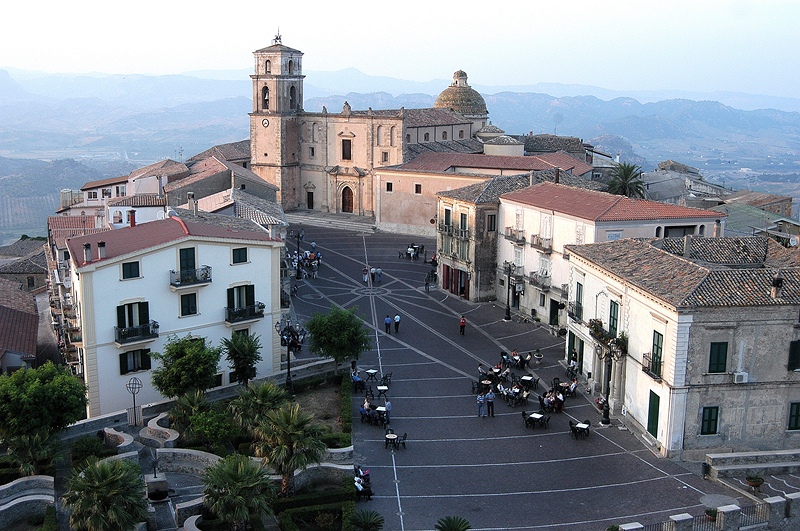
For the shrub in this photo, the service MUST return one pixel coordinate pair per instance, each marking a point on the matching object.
(87, 446)
(49, 520)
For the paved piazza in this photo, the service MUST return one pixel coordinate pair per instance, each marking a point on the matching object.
(492, 471)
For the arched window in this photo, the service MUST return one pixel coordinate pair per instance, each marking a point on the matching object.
(702, 230)
(427, 137)
(265, 98)
(292, 96)
(658, 232)
(117, 218)
(444, 135)
(291, 66)
(408, 139)
(391, 135)
(460, 133)
(267, 67)
(314, 127)
(379, 136)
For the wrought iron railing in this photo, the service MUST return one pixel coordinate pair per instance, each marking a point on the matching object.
(129, 334)
(515, 235)
(255, 311)
(651, 365)
(187, 277)
(575, 311)
(543, 244)
(445, 229)
(540, 280)
(462, 234)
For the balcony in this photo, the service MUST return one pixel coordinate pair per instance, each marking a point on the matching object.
(540, 280)
(132, 334)
(237, 315)
(575, 311)
(445, 229)
(651, 366)
(190, 277)
(517, 236)
(543, 244)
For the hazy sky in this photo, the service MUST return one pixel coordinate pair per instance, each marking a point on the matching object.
(746, 45)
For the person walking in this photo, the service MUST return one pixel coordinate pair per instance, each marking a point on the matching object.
(387, 324)
(379, 272)
(490, 396)
(372, 272)
(365, 272)
(396, 323)
(481, 400)
(428, 283)
(462, 325)
(313, 246)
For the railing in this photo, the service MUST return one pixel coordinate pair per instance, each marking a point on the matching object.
(754, 514)
(661, 526)
(575, 311)
(543, 244)
(234, 315)
(651, 366)
(136, 333)
(462, 234)
(445, 229)
(540, 280)
(515, 235)
(187, 277)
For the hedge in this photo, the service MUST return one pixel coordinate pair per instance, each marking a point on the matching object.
(346, 509)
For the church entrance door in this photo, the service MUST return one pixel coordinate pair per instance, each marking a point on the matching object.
(347, 200)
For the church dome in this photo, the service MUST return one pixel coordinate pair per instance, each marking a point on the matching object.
(462, 98)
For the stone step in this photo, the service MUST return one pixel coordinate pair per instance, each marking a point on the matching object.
(751, 469)
(753, 458)
(298, 218)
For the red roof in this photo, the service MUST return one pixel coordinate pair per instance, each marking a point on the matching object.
(19, 321)
(148, 235)
(601, 206)
(450, 162)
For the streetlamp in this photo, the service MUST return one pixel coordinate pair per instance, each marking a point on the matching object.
(299, 234)
(510, 267)
(610, 355)
(291, 334)
(133, 386)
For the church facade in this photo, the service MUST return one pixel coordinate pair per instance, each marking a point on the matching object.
(327, 161)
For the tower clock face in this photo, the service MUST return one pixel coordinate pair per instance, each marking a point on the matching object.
(265, 122)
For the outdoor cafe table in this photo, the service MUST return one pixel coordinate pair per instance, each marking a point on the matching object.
(583, 427)
(486, 384)
(390, 439)
(371, 374)
(536, 416)
(382, 390)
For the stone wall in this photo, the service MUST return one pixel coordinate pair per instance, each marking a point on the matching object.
(25, 497)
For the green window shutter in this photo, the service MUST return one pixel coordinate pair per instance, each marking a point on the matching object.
(144, 313)
(794, 355)
(250, 295)
(121, 317)
(123, 363)
(230, 298)
(718, 357)
(146, 359)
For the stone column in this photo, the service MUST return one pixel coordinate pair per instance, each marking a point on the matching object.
(777, 511)
(729, 517)
(793, 509)
(682, 522)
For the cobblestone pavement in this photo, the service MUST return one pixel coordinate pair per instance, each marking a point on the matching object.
(492, 471)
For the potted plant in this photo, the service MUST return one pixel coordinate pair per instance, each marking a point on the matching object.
(754, 480)
(538, 356)
(711, 514)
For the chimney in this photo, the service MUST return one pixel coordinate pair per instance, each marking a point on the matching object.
(717, 228)
(558, 175)
(687, 245)
(616, 159)
(530, 178)
(192, 202)
(132, 214)
(101, 250)
(87, 252)
(777, 285)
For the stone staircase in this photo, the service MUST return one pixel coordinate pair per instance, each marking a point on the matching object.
(743, 464)
(300, 218)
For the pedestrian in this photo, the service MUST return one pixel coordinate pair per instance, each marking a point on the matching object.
(365, 272)
(372, 272)
(481, 400)
(387, 323)
(313, 246)
(396, 323)
(428, 283)
(462, 324)
(379, 271)
(490, 396)
(388, 406)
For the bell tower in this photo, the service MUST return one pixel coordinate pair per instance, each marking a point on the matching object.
(275, 120)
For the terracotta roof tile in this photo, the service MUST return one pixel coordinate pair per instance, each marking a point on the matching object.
(231, 152)
(33, 264)
(447, 162)
(432, 117)
(139, 200)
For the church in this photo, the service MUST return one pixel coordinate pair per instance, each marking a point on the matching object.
(327, 161)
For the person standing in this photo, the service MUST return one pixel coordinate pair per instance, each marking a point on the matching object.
(481, 400)
(365, 272)
(379, 272)
(387, 324)
(396, 323)
(313, 246)
(490, 396)
(462, 324)
(372, 272)
(428, 283)
(388, 406)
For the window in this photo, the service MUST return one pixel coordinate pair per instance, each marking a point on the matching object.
(417, 188)
(388, 187)
(408, 139)
(447, 214)
(444, 135)
(265, 99)
(718, 357)
(491, 222)
(379, 136)
(242, 296)
(579, 300)
(135, 360)
(613, 318)
(347, 149)
(292, 96)
(794, 416)
(31, 282)
(541, 299)
(187, 261)
(658, 232)
(385, 156)
(463, 225)
(658, 348)
(91, 195)
(392, 132)
(106, 193)
(708, 425)
(460, 133)
(794, 356)
(120, 191)
(427, 137)
(116, 217)
(188, 304)
(311, 152)
(240, 255)
(267, 67)
(613, 235)
(130, 270)
(133, 314)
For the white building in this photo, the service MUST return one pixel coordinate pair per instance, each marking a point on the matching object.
(537, 222)
(710, 359)
(134, 287)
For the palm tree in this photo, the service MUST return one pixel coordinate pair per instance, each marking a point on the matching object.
(242, 351)
(288, 441)
(187, 406)
(452, 523)
(364, 520)
(254, 402)
(106, 496)
(33, 453)
(626, 180)
(236, 488)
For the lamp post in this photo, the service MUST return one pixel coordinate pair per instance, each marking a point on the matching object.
(510, 267)
(133, 386)
(291, 334)
(299, 235)
(609, 356)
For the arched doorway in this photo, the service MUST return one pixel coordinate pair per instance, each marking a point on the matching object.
(347, 200)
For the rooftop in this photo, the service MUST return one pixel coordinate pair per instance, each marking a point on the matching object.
(139, 200)
(450, 162)
(232, 152)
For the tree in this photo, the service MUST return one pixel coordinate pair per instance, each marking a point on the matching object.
(33, 453)
(236, 488)
(187, 364)
(187, 406)
(626, 180)
(365, 520)
(452, 523)
(106, 496)
(48, 398)
(250, 408)
(289, 441)
(211, 427)
(338, 334)
(241, 350)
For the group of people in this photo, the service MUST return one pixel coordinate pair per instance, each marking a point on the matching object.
(362, 482)
(371, 413)
(387, 323)
(515, 359)
(372, 273)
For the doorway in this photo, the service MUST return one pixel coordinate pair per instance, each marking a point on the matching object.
(347, 200)
(553, 318)
(310, 200)
(652, 415)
